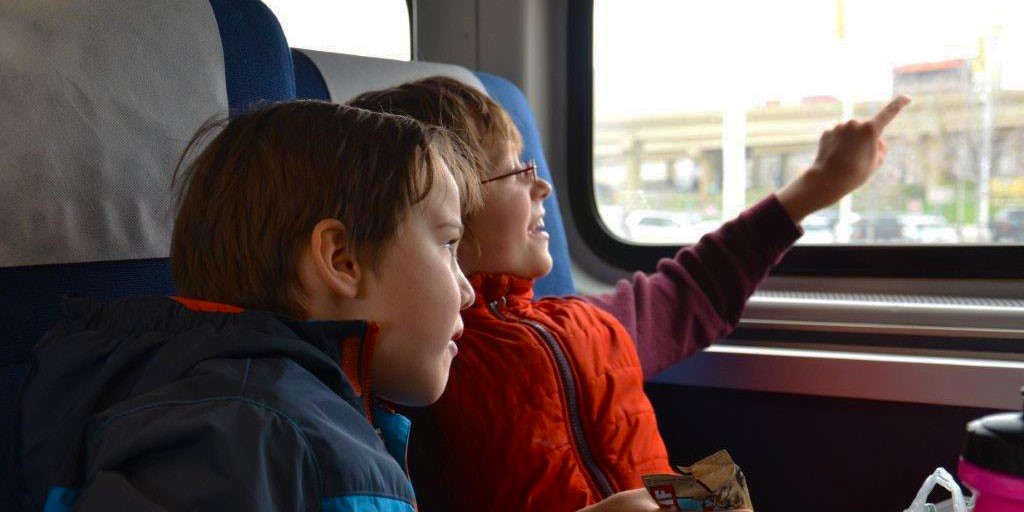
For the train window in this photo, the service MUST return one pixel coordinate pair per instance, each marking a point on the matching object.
(698, 113)
(373, 29)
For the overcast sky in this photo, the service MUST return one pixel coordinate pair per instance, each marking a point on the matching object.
(658, 56)
(670, 56)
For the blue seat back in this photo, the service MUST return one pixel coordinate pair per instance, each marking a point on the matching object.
(559, 281)
(112, 101)
(339, 78)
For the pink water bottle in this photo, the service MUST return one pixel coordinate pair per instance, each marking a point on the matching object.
(992, 462)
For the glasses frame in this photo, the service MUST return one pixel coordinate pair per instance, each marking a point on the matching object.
(531, 166)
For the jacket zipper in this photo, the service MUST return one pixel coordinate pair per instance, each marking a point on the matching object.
(569, 384)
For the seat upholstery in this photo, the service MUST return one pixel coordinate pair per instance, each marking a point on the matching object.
(107, 94)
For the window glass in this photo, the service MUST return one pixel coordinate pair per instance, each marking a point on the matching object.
(378, 28)
(703, 108)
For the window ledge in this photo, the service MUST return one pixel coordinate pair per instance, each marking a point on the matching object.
(915, 315)
(951, 381)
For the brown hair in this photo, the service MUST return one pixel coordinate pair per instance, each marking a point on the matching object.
(249, 201)
(477, 120)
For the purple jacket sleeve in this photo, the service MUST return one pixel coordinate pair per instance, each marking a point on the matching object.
(697, 297)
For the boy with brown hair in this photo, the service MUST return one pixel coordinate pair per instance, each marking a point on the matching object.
(545, 408)
(315, 249)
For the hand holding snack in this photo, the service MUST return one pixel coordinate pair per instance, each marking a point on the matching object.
(847, 156)
(712, 484)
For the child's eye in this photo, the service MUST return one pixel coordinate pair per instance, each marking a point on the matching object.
(452, 245)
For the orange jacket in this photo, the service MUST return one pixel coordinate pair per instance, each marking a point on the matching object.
(527, 373)
(584, 431)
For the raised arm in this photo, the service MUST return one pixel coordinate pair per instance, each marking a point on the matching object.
(697, 297)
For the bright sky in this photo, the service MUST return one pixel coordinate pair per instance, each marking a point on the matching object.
(671, 56)
(378, 28)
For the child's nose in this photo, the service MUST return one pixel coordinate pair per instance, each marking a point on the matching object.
(466, 294)
(541, 188)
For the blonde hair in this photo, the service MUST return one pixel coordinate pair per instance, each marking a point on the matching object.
(472, 116)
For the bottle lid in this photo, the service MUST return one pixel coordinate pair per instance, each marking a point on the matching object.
(996, 442)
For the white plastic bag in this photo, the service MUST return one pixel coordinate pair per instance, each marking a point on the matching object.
(943, 478)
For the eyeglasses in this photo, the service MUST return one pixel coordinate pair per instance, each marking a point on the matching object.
(530, 171)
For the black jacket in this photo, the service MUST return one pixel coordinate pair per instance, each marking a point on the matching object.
(143, 404)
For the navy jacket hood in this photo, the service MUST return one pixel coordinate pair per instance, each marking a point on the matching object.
(104, 361)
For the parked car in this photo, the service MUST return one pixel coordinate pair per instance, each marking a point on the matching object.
(928, 229)
(818, 229)
(903, 228)
(657, 226)
(1008, 225)
(878, 227)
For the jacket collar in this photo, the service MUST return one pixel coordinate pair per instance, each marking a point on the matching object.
(490, 287)
(349, 343)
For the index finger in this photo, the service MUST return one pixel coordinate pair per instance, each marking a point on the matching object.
(887, 114)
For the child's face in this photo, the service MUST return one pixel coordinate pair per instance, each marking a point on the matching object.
(416, 295)
(508, 234)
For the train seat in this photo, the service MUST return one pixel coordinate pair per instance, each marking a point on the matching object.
(99, 98)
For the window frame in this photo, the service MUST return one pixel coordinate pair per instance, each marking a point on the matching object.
(411, 7)
(961, 261)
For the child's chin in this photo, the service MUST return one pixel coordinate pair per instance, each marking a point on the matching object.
(418, 396)
(417, 400)
(543, 265)
(429, 399)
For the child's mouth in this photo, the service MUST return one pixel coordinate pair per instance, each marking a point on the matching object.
(537, 227)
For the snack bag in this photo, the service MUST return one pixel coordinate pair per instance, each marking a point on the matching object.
(714, 483)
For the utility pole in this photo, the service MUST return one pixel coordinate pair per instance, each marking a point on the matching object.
(844, 224)
(989, 56)
(734, 135)
(734, 158)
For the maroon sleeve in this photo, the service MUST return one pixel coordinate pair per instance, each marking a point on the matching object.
(697, 297)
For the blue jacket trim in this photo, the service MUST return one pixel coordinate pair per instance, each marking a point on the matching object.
(365, 503)
(394, 429)
(60, 499)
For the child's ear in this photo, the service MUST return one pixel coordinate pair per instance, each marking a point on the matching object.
(335, 263)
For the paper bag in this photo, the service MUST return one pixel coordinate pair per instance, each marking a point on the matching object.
(714, 483)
